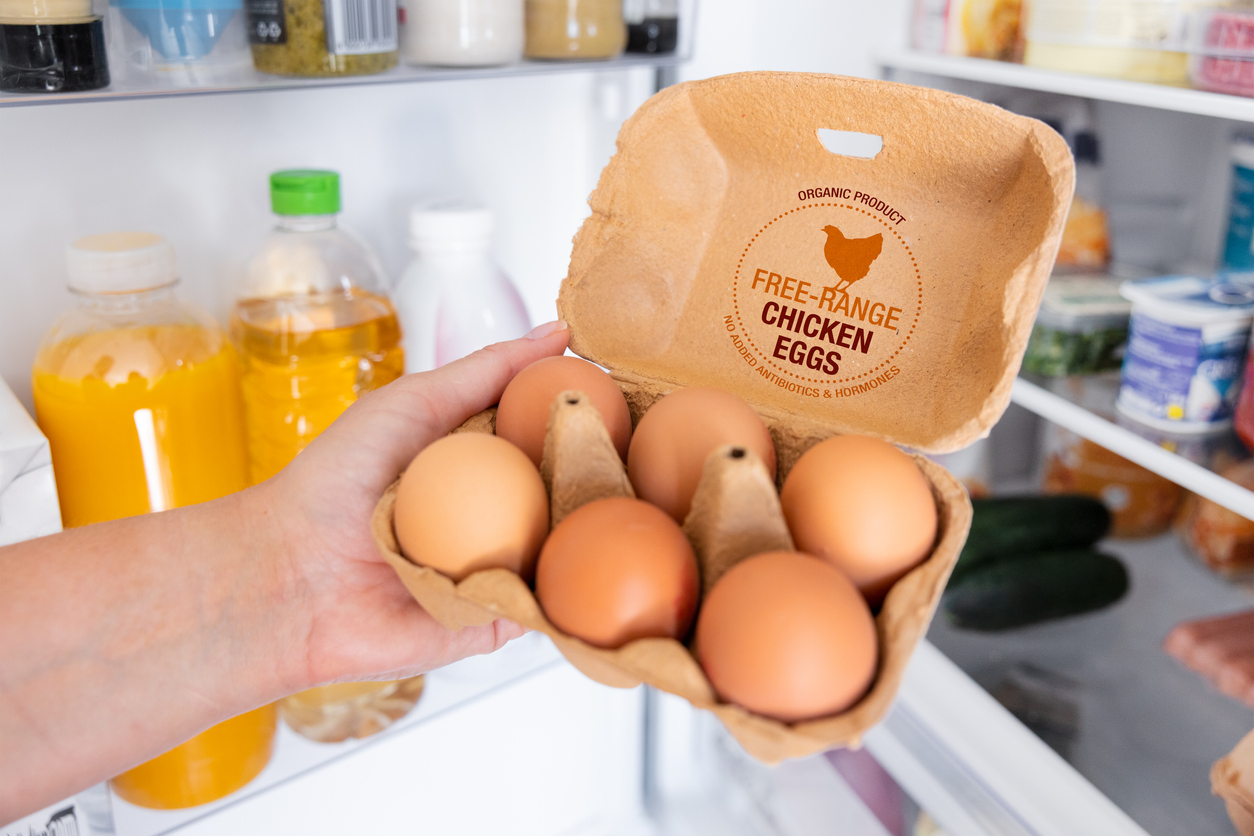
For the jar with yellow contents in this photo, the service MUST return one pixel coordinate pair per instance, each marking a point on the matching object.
(138, 394)
(315, 330)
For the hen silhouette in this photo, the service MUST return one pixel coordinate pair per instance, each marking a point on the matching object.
(851, 258)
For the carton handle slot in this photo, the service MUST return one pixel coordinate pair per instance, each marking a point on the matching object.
(850, 143)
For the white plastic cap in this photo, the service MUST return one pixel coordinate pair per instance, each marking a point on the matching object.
(449, 227)
(121, 262)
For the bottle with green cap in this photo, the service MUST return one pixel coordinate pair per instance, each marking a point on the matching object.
(315, 330)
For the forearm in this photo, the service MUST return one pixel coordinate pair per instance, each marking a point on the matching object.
(134, 635)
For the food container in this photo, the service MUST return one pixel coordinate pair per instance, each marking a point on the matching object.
(28, 493)
(1135, 40)
(51, 46)
(1239, 239)
(1081, 328)
(1221, 50)
(1232, 779)
(1221, 539)
(712, 216)
(180, 42)
(1186, 351)
(575, 29)
(322, 38)
(463, 33)
(652, 26)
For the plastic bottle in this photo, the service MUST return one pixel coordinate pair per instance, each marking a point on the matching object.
(139, 396)
(315, 330)
(453, 299)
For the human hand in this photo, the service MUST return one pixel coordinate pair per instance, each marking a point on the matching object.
(358, 620)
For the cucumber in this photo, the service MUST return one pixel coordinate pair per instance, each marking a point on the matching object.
(1034, 587)
(1017, 525)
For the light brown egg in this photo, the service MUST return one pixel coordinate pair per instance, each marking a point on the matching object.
(676, 435)
(472, 501)
(786, 635)
(863, 505)
(616, 570)
(523, 413)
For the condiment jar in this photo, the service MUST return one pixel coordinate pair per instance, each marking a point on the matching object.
(464, 33)
(575, 29)
(51, 46)
(652, 25)
(319, 38)
(453, 299)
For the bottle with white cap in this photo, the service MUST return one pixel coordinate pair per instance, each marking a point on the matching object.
(453, 299)
(139, 396)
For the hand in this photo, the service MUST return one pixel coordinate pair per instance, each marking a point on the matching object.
(360, 622)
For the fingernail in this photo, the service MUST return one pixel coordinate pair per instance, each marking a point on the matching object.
(542, 331)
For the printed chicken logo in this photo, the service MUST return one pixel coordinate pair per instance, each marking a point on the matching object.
(851, 258)
(805, 333)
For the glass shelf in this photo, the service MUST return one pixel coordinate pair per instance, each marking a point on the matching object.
(1177, 99)
(1086, 406)
(249, 80)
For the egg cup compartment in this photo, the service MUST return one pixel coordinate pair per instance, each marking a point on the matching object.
(735, 514)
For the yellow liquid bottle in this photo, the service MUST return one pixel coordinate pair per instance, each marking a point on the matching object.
(139, 397)
(315, 331)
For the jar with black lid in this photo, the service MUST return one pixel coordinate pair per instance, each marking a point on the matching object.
(51, 46)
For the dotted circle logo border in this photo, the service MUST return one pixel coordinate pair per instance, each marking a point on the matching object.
(745, 331)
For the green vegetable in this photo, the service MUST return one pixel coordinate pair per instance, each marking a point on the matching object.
(1057, 353)
(1033, 588)
(1012, 526)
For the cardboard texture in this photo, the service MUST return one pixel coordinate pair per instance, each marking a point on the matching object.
(1232, 779)
(723, 236)
(579, 464)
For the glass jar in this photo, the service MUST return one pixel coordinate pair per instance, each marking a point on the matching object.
(464, 33)
(51, 46)
(315, 330)
(575, 29)
(319, 38)
(138, 394)
(652, 25)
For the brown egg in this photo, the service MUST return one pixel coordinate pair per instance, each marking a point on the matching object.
(472, 501)
(523, 413)
(786, 635)
(863, 505)
(616, 570)
(676, 435)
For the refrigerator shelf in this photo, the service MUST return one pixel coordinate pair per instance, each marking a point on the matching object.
(1006, 74)
(1122, 440)
(250, 81)
(295, 757)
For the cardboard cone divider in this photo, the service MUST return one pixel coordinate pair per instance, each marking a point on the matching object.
(884, 292)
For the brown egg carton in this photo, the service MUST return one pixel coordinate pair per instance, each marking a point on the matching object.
(735, 514)
(1232, 779)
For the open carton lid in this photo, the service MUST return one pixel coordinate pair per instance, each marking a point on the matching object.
(885, 287)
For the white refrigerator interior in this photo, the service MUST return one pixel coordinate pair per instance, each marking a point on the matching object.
(1078, 727)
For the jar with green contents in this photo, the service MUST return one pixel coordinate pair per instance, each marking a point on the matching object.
(318, 38)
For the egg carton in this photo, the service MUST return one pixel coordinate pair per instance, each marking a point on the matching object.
(735, 514)
(847, 256)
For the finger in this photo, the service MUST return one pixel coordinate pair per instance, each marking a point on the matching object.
(442, 399)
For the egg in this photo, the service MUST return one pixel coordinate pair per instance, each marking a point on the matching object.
(523, 413)
(676, 435)
(864, 506)
(788, 636)
(471, 501)
(616, 570)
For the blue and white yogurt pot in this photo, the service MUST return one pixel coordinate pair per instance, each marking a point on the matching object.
(1186, 350)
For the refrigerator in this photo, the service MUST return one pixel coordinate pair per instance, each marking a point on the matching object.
(1079, 726)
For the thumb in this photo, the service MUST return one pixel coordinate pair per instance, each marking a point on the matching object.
(429, 405)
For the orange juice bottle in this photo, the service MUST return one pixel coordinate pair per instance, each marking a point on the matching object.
(315, 331)
(138, 394)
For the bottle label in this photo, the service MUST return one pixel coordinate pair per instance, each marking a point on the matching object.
(267, 22)
(360, 27)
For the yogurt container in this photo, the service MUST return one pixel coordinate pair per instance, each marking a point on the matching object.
(1081, 328)
(1186, 350)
